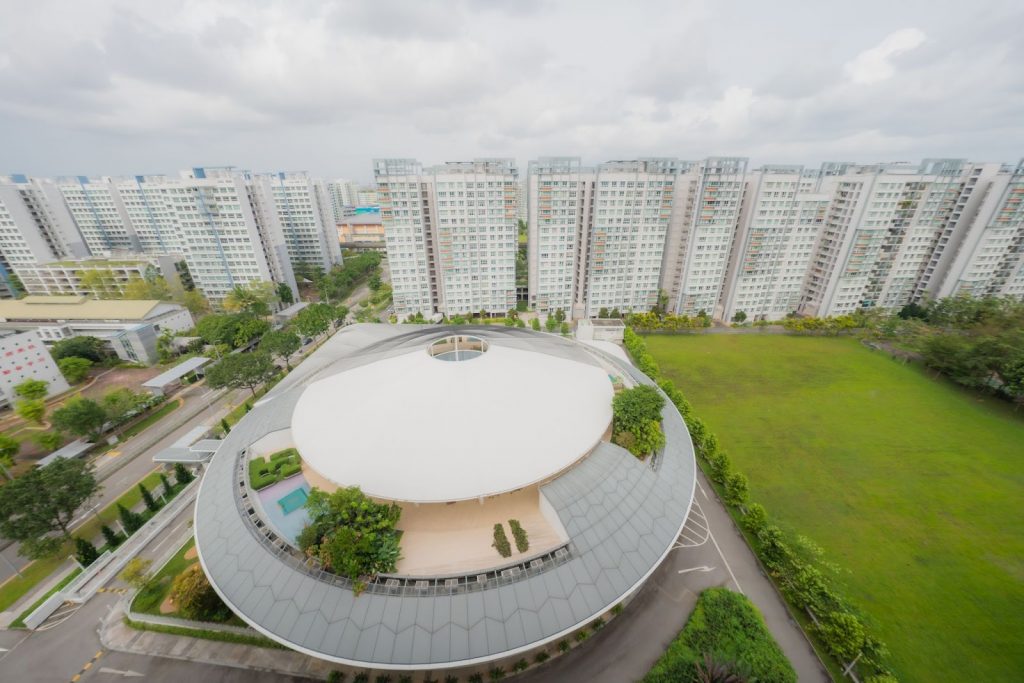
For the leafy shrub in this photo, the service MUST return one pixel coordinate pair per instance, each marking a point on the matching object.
(755, 519)
(501, 543)
(720, 466)
(563, 646)
(541, 657)
(195, 598)
(351, 534)
(521, 665)
(582, 635)
(336, 676)
(597, 624)
(476, 678)
(496, 674)
(727, 624)
(520, 535)
(736, 488)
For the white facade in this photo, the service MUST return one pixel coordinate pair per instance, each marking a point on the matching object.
(990, 257)
(100, 214)
(23, 357)
(451, 234)
(66, 277)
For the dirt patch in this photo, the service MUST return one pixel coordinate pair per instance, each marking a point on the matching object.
(192, 553)
(120, 377)
(167, 606)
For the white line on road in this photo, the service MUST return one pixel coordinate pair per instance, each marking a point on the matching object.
(696, 569)
(118, 672)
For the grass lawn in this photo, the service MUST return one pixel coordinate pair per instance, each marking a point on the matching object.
(912, 485)
(150, 598)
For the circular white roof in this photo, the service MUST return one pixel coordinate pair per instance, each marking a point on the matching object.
(417, 428)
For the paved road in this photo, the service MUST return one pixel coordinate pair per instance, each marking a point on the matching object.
(116, 483)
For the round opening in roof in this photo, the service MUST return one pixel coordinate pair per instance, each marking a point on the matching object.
(457, 348)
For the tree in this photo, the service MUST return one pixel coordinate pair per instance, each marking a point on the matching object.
(85, 551)
(32, 389)
(339, 314)
(122, 404)
(83, 347)
(9, 449)
(45, 500)
(80, 416)
(843, 634)
(195, 302)
(241, 370)
(168, 489)
(136, 572)
(195, 598)
(736, 488)
(739, 317)
(250, 328)
(131, 520)
(603, 313)
(110, 536)
(148, 289)
(375, 281)
(51, 441)
(181, 474)
(550, 324)
(560, 315)
(281, 344)
(254, 298)
(147, 498)
(102, 282)
(564, 328)
(535, 324)
(284, 294)
(314, 320)
(32, 411)
(74, 368)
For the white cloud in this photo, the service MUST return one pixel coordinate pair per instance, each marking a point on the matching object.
(874, 65)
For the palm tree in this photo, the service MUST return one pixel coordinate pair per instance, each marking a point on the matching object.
(254, 298)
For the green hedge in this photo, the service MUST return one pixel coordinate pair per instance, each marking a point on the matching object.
(794, 563)
(519, 534)
(727, 626)
(281, 465)
(501, 543)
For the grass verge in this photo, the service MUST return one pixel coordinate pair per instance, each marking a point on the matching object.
(149, 599)
(151, 419)
(238, 638)
(20, 621)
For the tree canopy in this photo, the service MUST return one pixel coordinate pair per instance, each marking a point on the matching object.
(241, 370)
(32, 389)
(83, 347)
(342, 280)
(315, 319)
(9, 449)
(45, 500)
(80, 416)
(255, 298)
(231, 329)
(74, 368)
(636, 415)
(281, 344)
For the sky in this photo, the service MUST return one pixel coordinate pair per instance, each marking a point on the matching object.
(106, 87)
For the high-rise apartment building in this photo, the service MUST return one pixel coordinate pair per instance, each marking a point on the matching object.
(344, 197)
(231, 227)
(451, 234)
(989, 257)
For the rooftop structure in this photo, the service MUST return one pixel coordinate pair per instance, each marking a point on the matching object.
(158, 384)
(600, 521)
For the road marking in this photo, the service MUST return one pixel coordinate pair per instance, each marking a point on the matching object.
(118, 672)
(722, 555)
(696, 569)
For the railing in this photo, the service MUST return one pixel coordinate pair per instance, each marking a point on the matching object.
(388, 584)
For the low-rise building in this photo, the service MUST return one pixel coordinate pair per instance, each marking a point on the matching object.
(23, 357)
(97, 277)
(130, 327)
(362, 231)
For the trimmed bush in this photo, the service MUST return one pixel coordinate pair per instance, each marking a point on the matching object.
(521, 665)
(728, 625)
(520, 536)
(541, 657)
(563, 646)
(736, 488)
(582, 635)
(279, 466)
(501, 543)
(597, 624)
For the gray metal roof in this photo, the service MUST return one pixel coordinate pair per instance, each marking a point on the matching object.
(176, 373)
(622, 517)
(72, 450)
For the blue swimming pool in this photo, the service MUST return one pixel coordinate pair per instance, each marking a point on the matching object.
(287, 524)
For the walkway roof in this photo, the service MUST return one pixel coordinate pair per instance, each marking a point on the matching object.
(176, 373)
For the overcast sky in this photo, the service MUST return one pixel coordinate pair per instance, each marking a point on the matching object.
(152, 87)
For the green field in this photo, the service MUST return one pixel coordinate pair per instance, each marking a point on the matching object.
(913, 486)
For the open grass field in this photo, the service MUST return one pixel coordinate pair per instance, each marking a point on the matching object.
(913, 486)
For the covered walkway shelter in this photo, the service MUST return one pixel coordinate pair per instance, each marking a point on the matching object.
(159, 384)
(72, 450)
(190, 449)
